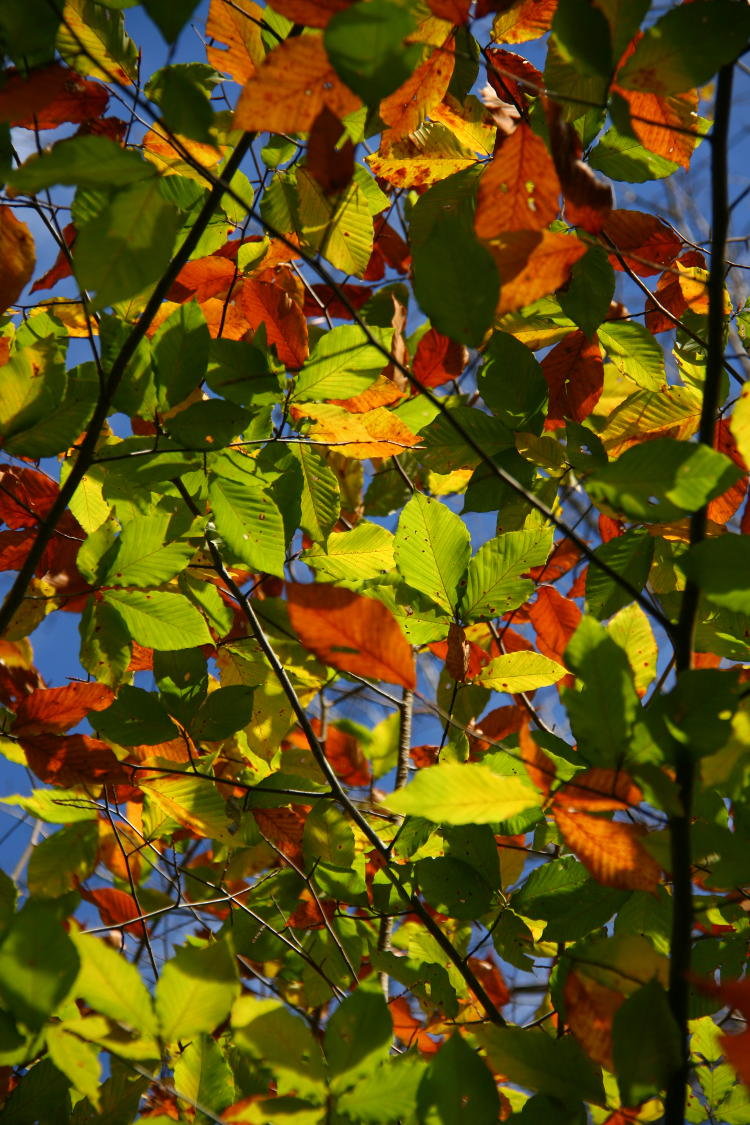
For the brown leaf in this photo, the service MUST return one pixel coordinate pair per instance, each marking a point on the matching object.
(291, 88)
(332, 165)
(17, 255)
(574, 371)
(519, 188)
(512, 77)
(310, 13)
(351, 633)
(26, 496)
(645, 243)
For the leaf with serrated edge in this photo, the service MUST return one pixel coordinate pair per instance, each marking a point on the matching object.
(463, 794)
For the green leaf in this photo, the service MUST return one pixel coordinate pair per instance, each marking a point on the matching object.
(339, 229)
(66, 856)
(720, 567)
(87, 161)
(182, 678)
(645, 1044)
(327, 837)
(57, 429)
(366, 47)
(662, 479)
(196, 990)
(455, 277)
(127, 246)
(180, 349)
(582, 36)
(143, 557)
(54, 806)
(634, 352)
(222, 713)
(364, 552)
(629, 555)
(38, 963)
(112, 985)
(92, 40)
(203, 1075)
(431, 548)
(493, 579)
(281, 1043)
(358, 1035)
(666, 61)
(135, 717)
(457, 1086)
(27, 31)
(587, 296)
(388, 1094)
(249, 522)
(622, 157)
(183, 92)
(512, 384)
(242, 373)
(158, 619)
(77, 1060)
(520, 671)
(170, 16)
(105, 643)
(445, 448)
(453, 888)
(211, 424)
(462, 794)
(564, 896)
(533, 1059)
(320, 494)
(342, 364)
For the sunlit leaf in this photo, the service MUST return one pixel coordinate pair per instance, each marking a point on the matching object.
(463, 794)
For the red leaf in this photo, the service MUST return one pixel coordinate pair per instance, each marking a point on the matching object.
(51, 96)
(330, 165)
(311, 915)
(116, 908)
(438, 359)
(56, 709)
(14, 547)
(61, 267)
(74, 759)
(346, 756)
(645, 243)
(351, 633)
(512, 77)
(564, 557)
(555, 619)
(495, 726)
(574, 371)
(26, 496)
(457, 11)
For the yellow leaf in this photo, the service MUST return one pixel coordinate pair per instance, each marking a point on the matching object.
(520, 671)
(377, 433)
(463, 794)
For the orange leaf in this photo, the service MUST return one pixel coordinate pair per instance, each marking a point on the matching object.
(564, 557)
(351, 633)
(574, 371)
(61, 267)
(72, 760)
(203, 278)
(599, 790)
(408, 1029)
(723, 507)
(519, 188)
(539, 766)
(311, 915)
(115, 908)
(555, 619)
(383, 392)
(405, 162)
(532, 264)
(271, 303)
(50, 96)
(17, 255)
(526, 19)
(238, 26)
(665, 126)
(456, 11)
(645, 242)
(406, 108)
(121, 853)
(438, 359)
(169, 160)
(291, 88)
(611, 851)
(346, 756)
(56, 709)
(284, 828)
(310, 13)
(590, 1008)
(378, 433)
(495, 725)
(683, 286)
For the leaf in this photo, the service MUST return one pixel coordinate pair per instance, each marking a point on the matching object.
(520, 672)
(58, 863)
(575, 377)
(494, 582)
(718, 567)
(342, 363)
(462, 794)
(458, 1082)
(662, 479)
(519, 189)
(524, 20)
(364, 552)
(422, 158)
(291, 87)
(646, 1044)
(406, 108)
(112, 985)
(431, 549)
(645, 242)
(366, 48)
(144, 558)
(222, 713)
(18, 256)
(270, 1033)
(532, 264)
(340, 228)
(358, 1036)
(38, 963)
(631, 630)
(195, 990)
(77, 1060)
(665, 60)
(239, 28)
(195, 805)
(180, 350)
(269, 303)
(352, 633)
(611, 851)
(249, 521)
(376, 433)
(57, 709)
(630, 556)
(136, 717)
(532, 1058)
(320, 494)
(158, 619)
(457, 291)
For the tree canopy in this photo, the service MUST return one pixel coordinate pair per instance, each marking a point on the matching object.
(374, 429)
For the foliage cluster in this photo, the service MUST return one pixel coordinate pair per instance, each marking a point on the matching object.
(404, 774)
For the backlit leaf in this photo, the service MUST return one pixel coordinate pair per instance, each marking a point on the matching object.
(612, 852)
(17, 250)
(520, 672)
(406, 108)
(532, 264)
(431, 549)
(195, 990)
(463, 794)
(158, 619)
(376, 433)
(519, 189)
